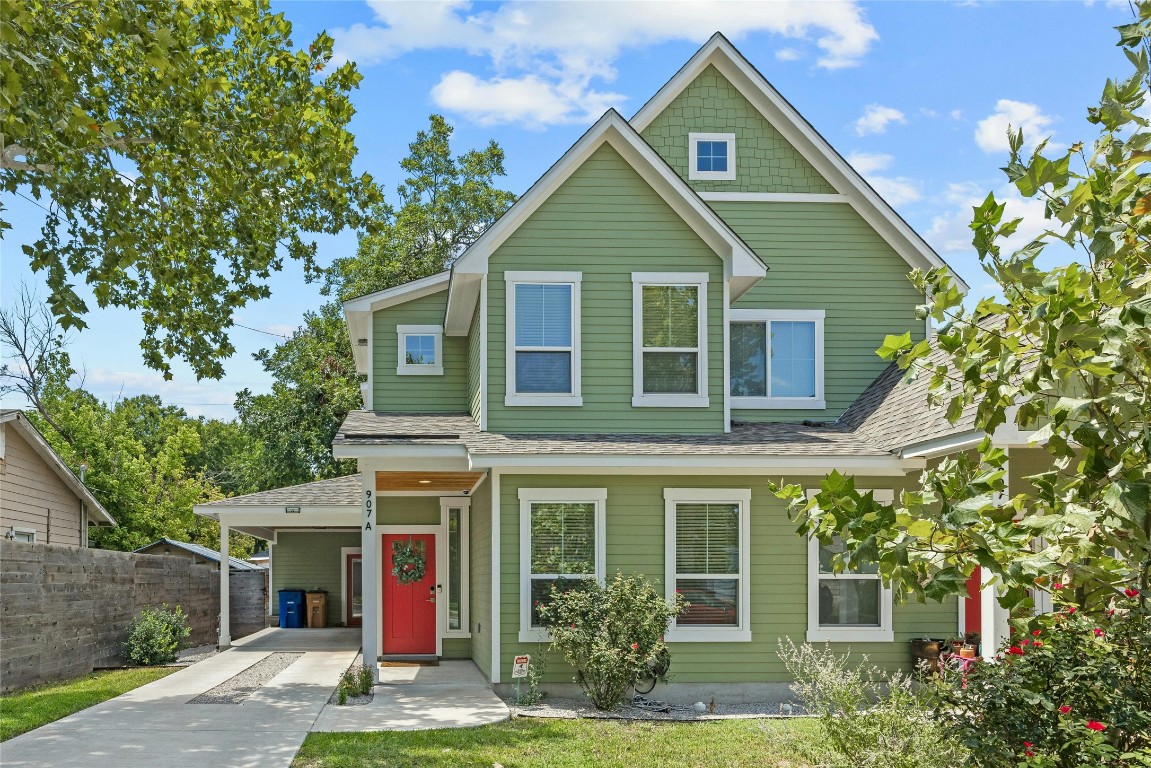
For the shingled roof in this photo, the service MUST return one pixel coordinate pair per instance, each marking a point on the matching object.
(338, 491)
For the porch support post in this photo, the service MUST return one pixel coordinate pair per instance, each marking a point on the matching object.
(225, 590)
(369, 568)
(994, 629)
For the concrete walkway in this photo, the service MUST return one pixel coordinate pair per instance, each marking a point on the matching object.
(452, 695)
(154, 725)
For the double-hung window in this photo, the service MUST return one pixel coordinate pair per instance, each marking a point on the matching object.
(420, 350)
(669, 338)
(777, 358)
(852, 605)
(543, 329)
(562, 535)
(711, 156)
(706, 559)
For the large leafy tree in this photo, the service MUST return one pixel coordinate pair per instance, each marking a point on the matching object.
(446, 202)
(181, 151)
(1065, 352)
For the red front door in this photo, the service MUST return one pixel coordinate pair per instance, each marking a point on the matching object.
(409, 608)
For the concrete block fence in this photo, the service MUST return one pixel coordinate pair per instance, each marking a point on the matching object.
(65, 611)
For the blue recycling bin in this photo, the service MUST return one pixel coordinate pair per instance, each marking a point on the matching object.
(291, 608)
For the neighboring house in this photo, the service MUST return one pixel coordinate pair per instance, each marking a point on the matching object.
(197, 553)
(41, 500)
(685, 307)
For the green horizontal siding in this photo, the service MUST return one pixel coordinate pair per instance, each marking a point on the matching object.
(447, 393)
(311, 560)
(456, 648)
(407, 510)
(825, 256)
(635, 544)
(606, 222)
(480, 560)
(765, 161)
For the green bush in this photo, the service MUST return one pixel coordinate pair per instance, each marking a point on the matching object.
(868, 719)
(1068, 690)
(156, 635)
(608, 633)
(365, 679)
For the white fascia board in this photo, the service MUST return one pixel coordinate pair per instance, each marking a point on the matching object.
(416, 289)
(730, 464)
(611, 129)
(366, 451)
(782, 116)
(318, 516)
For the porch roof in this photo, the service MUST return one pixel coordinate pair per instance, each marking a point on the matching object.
(337, 491)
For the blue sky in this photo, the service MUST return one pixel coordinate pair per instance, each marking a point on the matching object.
(916, 94)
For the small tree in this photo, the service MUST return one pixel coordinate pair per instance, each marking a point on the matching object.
(1067, 353)
(609, 633)
(156, 635)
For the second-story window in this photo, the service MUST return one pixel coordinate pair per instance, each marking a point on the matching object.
(420, 350)
(543, 338)
(711, 156)
(670, 339)
(777, 358)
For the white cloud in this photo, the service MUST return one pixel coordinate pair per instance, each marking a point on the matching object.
(212, 399)
(549, 53)
(789, 54)
(896, 190)
(876, 118)
(950, 232)
(991, 131)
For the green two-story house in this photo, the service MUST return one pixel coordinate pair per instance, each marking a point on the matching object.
(685, 307)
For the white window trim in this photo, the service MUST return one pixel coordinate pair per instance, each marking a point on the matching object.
(529, 496)
(640, 399)
(816, 316)
(513, 398)
(820, 634)
(464, 504)
(344, 593)
(741, 633)
(25, 531)
(403, 368)
(693, 140)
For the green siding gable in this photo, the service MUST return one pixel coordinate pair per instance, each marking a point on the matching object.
(825, 256)
(765, 161)
(606, 222)
(417, 394)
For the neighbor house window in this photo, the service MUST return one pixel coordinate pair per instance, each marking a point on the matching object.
(852, 605)
(706, 551)
(562, 533)
(421, 350)
(24, 534)
(543, 327)
(669, 338)
(777, 358)
(711, 156)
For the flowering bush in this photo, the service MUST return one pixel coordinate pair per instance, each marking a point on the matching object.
(609, 633)
(1069, 690)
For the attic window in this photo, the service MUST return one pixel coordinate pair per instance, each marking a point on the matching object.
(711, 156)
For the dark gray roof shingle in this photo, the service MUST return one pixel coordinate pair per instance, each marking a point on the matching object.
(336, 491)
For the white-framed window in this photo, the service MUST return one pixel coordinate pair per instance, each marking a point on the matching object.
(711, 156)
(562, 541)
(455, 514)
(776, 358)
(852, 606)
(543, 338)
(420, 350)
(24, 534)
(706, 559)
(669, 339)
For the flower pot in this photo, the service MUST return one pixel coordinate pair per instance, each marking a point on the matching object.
(967, 652)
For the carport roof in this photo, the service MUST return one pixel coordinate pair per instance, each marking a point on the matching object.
(337, 491)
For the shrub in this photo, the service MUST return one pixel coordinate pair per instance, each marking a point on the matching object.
(366, 679)
(868, 719)
(529, 694)
(1069, 690)
(155, 636)
(608, 633)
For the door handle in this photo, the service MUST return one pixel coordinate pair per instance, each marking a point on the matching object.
(431, 599)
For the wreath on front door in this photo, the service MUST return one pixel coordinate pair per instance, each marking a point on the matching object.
(408, 561)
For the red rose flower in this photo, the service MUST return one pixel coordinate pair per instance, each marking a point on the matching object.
(1038, 643)
(1131, 592)
(1065, 709)
(1036, 633)
(1110, 612)
(1095, 725)
(1098, 632)
(635, 646)
(1071, 609)
(1058, 585)
(1015, 650)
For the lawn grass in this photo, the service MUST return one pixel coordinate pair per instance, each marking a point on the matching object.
(540, 743)
(31, 708)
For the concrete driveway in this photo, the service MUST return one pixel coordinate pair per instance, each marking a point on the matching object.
(155, 725)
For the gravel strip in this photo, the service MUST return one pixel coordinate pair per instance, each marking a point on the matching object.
(190, 656)
(235, 689)
(573, 709)
(353, 701)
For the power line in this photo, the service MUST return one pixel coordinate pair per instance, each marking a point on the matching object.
(260, 330)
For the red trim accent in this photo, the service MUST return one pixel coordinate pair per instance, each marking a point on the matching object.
(972, 609)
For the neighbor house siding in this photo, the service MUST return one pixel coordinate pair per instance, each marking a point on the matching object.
(311, 560)
(765, 161)
(447, 393)
(481, 577)
(635, 544)
(825, 256)
(606, 222)
(33, 497)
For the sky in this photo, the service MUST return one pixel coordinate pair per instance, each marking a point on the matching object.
(917, 95)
